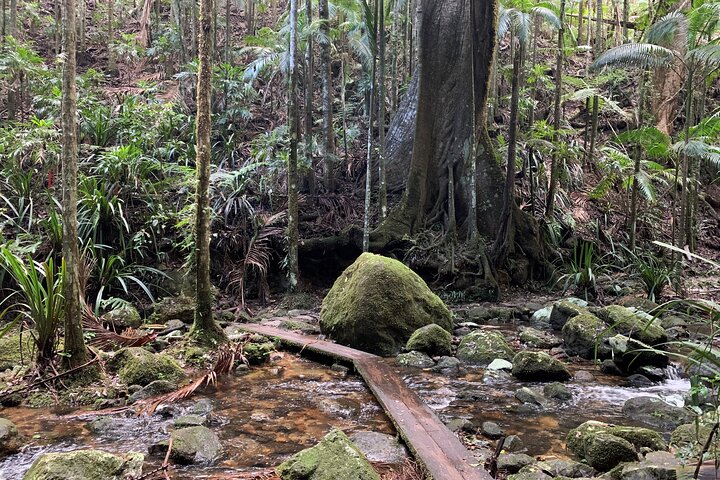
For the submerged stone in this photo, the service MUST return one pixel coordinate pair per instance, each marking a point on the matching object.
(334, 458)
(86, 465)
(377, 303)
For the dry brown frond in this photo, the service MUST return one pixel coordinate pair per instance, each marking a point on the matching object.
(106, 339)
(409, 470)
(224, 364)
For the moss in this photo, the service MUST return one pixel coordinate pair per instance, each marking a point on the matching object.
(626, 322)
(13, 352)
(605, 451)
(539, 367)
(377, 303)
(85, 464)
(579, 439)
(258, 352)
(431, 339)
(124, 316)
(482, 347)
(583, 335)
(691, 436)
(335, 457)
(39, 400)
(137, 366)
(178, 308)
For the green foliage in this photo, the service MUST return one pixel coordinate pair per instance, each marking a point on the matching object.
(39, 298)
(655, 272)
(581, 269)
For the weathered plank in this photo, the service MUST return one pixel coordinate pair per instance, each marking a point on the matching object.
(433, 445)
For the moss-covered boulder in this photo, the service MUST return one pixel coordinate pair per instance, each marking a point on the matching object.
(538, 339)
(377, 303)
(605, 451)
(514, 462)
(558, 391)
(10, 438)
(198, 445)
(482, 347)
(124, 316)
(630, 355)
(637, 325)
(564, 310)
(137, 366)
(181, 308)
(414, 360)
(656, 413)
(538, 367)
(530, 472)
(431, 339)
(334, 458)
(86, 465)
(565, 468)
(584, 335)
(691, 437)
(578, 439)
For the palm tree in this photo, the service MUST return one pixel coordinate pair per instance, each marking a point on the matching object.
(292, 182)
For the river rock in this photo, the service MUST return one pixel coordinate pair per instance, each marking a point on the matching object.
(513, 462)
(460, 425)
(482, 347)
(691, 437)
(638, 471)
(530, 396)
(380, 447)
(538, 339)
(605, 451)
(541, 317)
(579, 438)
(629, 354)
(655, 413)
(564, 310)
(530, 472)
(491, 430)
(158, 387)
(11, 441)
(138, 366)
(565, 468)
(447, 366)
(538, 367)
(639, 327)
(513, 443)
(377, 303)
(335, 457)
(190, 421)
(191, 445)
(431, 339)
(414, 360)
(584, 335)
(174, 308)
(86, 465)
(558, 391)
(124, 316)
(639, 381)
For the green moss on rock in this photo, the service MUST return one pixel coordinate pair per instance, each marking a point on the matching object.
(539, 367)
(377, 303)
(124, 316)
(605, 451)
(334, 458)
(583, 335)
(137, 366)
(626, 322)
(10, 439)
(14, 352)
(174, 308)
(86, 465)
(197, 444)
(431, 339)
(482, 347)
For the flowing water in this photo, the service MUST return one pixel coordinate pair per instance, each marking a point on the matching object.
(273, 411)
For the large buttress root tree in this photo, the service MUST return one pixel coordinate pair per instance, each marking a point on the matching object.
(432, 135)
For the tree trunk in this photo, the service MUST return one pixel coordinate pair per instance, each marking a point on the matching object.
(205, 329)
(228, 28)
(74, 343)
(309, 102)
(635, 195)
(626, 19)
(12, 20)
(581, 18)
(293, 118)
(555, 165)
(368, 157)
(327, 95)
(382, 186)
(112, 67)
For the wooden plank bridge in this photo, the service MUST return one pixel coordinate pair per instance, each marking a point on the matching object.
(433, 445)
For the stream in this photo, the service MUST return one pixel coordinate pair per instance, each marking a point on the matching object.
(275, 410)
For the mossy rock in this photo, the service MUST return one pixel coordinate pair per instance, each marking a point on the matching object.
(558, 391)
(414, 360)
(579, 438)
(191, 445)
(124, 316)
(630, 355)
(584, 335)
(564, 310)
(431, 339)
(14, 352)
(334, 458)
(656, 413)
(538, 339)
(539, 367)
(626, 322)
(691, 436)
(181, 308)
(565, 468)
(10, 438)
(530, 472)
(257, 352)
(377, 303)
(137, 366)
(86, 465)
(605, 451)
(514, 462)
(482, 347)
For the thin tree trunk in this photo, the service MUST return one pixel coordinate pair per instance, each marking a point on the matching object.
(81, 24)
(635, 196)
(250, 16)
(581, 18)
(194, 28)
(204, 329)
(309, 101)
(555, 165)
(74, 343)
(228, 28)
(12, 21)
(111, 36)
(382, 186)
(3, 23)
(58, 25)
(371, 118)
(533, 93)
(327, 94)
(293, 118)
(395, 55)
(626, 19)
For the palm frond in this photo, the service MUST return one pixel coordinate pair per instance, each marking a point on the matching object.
(641, 55)
(703, 21)
(669, 31)
(707, 56)
(548, 15)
